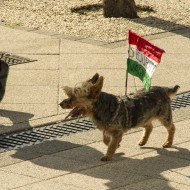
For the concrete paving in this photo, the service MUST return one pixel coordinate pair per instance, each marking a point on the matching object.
(32, 95)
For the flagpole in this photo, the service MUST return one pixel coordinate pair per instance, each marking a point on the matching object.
(126, 81)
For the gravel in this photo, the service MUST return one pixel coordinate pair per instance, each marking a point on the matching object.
(85, 18)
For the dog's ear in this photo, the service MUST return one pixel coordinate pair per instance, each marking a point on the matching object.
(94, 79)
(97, 87)
(68, 91)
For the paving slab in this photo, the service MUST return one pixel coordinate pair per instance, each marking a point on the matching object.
(8, 158)
(92, 61)
(45, 167)
(28, 46)
(175, 60)
(32, 78)
(176, 177)
(182, 131)
(156, 184)
(180, 150)
(89, 154)
(16, 113)
(99, 178)
(44, 62)
(44, 185)
(84, 137)
(16, 41)
(181, 114)
(151, 164)
(112, 77)
(12, 180)
(185, 171)
(76, 47)
(175, 45)
(30, 95)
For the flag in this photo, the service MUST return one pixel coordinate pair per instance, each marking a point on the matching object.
(143, 58)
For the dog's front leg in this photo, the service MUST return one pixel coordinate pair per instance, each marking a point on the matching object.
(115, 139)
(106, 138)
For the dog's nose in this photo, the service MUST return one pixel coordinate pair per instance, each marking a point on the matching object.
(60, 104)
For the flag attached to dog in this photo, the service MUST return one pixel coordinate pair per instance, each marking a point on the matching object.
(143, 58)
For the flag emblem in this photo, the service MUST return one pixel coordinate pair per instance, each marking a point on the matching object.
(143, 58)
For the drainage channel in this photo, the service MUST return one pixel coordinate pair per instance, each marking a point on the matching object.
(41, 134)
(12, 59)
(182, 100)
(52, 131)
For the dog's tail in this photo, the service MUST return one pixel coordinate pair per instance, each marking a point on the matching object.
(172, 91)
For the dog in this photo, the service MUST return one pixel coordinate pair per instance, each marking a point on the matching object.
(115, 115)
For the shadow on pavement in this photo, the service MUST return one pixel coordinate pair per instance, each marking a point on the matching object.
(145, 172)
(14, 118)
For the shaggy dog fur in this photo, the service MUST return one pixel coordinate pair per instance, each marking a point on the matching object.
(115, 115)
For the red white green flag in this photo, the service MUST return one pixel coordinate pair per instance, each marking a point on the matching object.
(143, 58)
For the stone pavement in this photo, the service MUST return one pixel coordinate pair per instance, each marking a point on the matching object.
(73, 162)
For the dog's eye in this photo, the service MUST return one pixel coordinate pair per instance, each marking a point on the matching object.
(70, 100)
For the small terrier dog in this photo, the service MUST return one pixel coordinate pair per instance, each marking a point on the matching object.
(115, 115)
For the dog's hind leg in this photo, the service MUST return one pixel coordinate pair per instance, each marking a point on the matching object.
(171, 131)
(168, 123)
(147, 132)
(115, 139)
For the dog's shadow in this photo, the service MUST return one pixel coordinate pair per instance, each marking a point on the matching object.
(146, 172)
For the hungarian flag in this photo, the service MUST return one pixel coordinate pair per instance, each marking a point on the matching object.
(143, 58)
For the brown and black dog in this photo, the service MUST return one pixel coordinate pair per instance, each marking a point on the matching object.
(115, 115)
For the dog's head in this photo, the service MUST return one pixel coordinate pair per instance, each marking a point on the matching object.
(84, 95)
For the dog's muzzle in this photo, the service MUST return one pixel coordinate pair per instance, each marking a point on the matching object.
(66, 104)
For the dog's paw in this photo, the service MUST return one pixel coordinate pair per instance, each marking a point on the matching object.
(167, 144)
(141, 143)
(106, 158)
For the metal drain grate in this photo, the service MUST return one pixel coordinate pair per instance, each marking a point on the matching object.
(41, 134)
(11, 59)
(181, 101)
